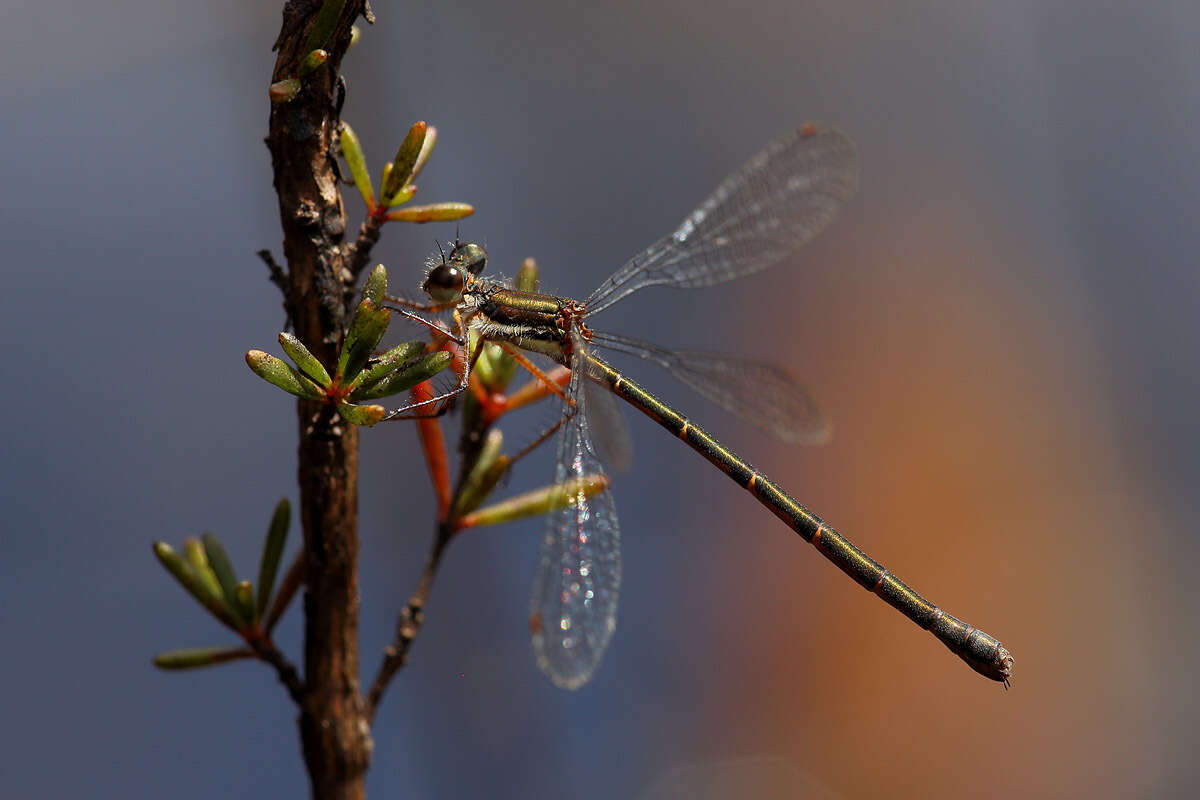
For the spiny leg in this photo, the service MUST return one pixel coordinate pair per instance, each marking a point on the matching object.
(437, 328)
(543, 385)
(427, 307)
(536, 371)
(543, 436)
(464, 382)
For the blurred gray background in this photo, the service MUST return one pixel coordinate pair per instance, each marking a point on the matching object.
(1003, 326)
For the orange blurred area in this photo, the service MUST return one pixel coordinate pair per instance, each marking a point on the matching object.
(966, 459)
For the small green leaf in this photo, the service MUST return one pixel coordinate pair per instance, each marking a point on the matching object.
(375, 288)
(312, 61)
(401, 173)
(495, 367)
(245, 600)
(438, 212)
(194, 658)
(284, 91)
(306, 361)
(490, 478)
(193, 551)
(379, 368)
(277, 533)
(539, 501)
(383, 182)
(403, 196)
(365, 416)
(474, 488)
(527, 276)
(218, 560)
(367, 327)
(406, 377)
(431, 135)
(481, 370)
(281, 374)
(323, 23)
(194, 584)
(355, 35)
(353, 153)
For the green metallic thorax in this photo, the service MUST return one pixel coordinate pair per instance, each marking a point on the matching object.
(529, 320)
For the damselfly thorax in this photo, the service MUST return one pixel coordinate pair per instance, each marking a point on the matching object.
(542, 323)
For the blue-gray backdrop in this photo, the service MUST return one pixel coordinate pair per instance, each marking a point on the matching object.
(1003, 326)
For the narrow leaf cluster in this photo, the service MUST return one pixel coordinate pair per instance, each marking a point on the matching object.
(360, 374)
(396, 185)
(206, 573)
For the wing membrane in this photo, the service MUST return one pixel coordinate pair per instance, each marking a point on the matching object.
(607, 427)
(575, 591)
(775, 203)
(762, 393)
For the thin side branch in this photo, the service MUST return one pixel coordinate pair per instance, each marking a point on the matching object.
(358, 255)
(412, 617)
(278, 274)
(266, 650)
(288, 587)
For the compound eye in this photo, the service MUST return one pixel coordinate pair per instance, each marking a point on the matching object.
(444, 283)
(469, 256)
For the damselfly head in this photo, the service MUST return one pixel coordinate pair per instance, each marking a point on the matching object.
(468, 256)
(447, 277)
(444, 283)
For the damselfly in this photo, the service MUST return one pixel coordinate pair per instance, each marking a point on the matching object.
(778, 201)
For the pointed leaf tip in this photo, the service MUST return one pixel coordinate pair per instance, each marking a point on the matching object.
(195, 585)
(379, 368)
(364, 416)
(312, 61)
(437, 212)
(403, 166)
(405, 377)
(539, 501)
(268, 567)
(484, 474)
(305, 360)
(245, 600)
(221, 566)
(193, 551)
(197, 657)
(431, 135)
(353, 153)
(496, 368)
(527, 276)
(375, 288)
(367, 327)
(277, 372)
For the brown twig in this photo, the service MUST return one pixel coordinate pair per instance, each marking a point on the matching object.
(358, 255)
(278, 274)
(408, 625)
(334, 730)
(266, 650)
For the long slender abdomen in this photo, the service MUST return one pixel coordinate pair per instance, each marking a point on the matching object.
(982, 652)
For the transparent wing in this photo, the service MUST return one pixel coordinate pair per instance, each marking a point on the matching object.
(607, 426)
(762, 393)
(778, 201)
(573, 612)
